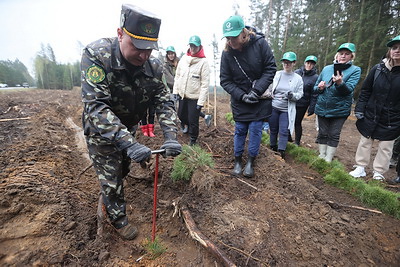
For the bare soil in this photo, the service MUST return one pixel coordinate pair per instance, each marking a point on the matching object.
(279, 218)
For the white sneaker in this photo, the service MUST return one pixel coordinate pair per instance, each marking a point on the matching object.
(378, 176)
(358, 172)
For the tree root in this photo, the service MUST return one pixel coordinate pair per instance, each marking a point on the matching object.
(202, 239)
(337, 205)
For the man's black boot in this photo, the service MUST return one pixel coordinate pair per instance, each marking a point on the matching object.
(397, 180)
(237, 169)
(282, 153)
(192, 141)
(249, 168)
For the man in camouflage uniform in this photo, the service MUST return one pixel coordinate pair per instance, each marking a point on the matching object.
(119, 82)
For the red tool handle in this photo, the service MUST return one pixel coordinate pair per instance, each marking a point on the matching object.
(153, 233)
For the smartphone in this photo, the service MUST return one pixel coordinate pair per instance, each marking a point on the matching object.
(338, 67)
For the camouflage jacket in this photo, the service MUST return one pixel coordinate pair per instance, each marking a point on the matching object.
(116, 94)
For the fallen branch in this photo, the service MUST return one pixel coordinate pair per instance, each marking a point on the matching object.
(15, 119)
(243, 252)
(85, 170)
(100, 217)
(203, 240)
(246, 183)
(337, 205)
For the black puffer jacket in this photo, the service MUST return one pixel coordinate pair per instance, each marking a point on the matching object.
(379, 101)
(309, 96)
(258, 62)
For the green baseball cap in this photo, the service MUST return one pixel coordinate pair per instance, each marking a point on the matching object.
(290, 56)
(170, 49)
(195, 40)
(393, 41)
(311, 58)
(233, 26)
(141, 25)
(348, 46)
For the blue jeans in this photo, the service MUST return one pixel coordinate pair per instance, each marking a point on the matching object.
(278, 124)
(255, 132)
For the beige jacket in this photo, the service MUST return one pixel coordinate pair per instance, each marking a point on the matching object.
(192, 79)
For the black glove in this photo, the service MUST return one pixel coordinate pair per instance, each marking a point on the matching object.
(290, 95)
(359, 115)
(138, 152)
(172, 148)
(198, 107)
(250, 98)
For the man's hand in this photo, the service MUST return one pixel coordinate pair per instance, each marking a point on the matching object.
(138, 152)
(250, 98)
(172, 148)
(290, 95)
(359, 115)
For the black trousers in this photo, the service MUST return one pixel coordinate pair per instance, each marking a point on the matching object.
(298, 128)
(189, 115)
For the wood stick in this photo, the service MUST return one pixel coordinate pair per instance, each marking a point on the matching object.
(337, 205)
(203, 240)
(243, 252)
(100, 217)
(85, 170)
(246, 183)
(15, 119)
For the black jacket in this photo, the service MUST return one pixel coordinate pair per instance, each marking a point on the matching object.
(379, 102)
(257, 61)
(309, 96)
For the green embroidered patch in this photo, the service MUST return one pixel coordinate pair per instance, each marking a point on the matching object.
(95, 74)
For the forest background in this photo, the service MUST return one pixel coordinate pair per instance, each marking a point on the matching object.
(303, 26)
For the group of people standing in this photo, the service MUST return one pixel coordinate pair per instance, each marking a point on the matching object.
(121, 82)
(259, 93)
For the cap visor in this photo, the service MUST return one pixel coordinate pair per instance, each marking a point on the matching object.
(233, 33)
(391, 43)
(142, 44)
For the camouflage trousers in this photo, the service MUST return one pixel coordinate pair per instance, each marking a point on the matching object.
(111, 167)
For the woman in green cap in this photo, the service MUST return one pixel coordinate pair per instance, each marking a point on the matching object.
(247, 69)
(287, 88)
(335, 86)
(378, 114)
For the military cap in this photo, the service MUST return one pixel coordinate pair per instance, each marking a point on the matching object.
(141, 25)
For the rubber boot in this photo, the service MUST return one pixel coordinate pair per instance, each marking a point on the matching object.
(282, 153)
(330, 152)
(145, 129)
(322, 151)
(249, 168)
(237, 169)
(192, 141)
(151, 130)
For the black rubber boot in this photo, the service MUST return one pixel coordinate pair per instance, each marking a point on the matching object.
(249, 168)
(237, 169)
(274, 148)
(282, 153)
(192, 141)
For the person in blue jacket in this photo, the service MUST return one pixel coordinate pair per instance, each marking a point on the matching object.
(247, 69)
(335, 96)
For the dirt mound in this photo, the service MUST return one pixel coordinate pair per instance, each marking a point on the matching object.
(281, 217)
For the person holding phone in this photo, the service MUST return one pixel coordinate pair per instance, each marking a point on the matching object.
(335, 96)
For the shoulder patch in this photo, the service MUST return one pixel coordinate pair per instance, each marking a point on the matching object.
(95, 74)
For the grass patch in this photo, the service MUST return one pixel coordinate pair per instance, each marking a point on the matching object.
(154, 249)
(191, 159)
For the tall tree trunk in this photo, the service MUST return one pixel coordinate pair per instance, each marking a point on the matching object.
(287, 25)
(374, 36)
(268, 20)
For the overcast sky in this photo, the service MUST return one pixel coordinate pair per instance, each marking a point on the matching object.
(63, 24)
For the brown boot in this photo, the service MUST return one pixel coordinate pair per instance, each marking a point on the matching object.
(151, 130)
(145, 129)
(128, 232)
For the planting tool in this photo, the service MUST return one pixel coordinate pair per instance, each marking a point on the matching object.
(153, 232)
